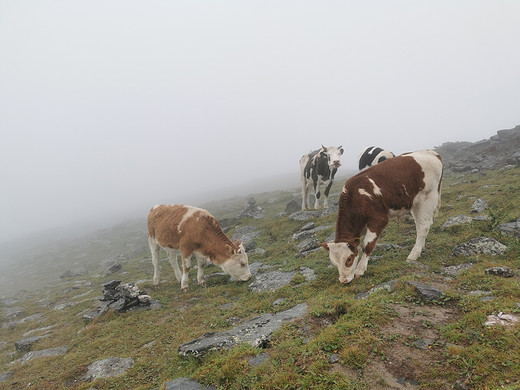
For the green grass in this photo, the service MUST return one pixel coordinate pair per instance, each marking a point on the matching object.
(357, 331)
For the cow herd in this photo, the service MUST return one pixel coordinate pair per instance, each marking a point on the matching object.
(386, 186)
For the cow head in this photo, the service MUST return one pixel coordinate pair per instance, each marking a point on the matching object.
(344, 255)
(332, 153)
(237, 264)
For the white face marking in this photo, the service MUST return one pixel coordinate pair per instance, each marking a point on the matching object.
(377, 190)
(344, 259)
(363, 192)
(334, 154)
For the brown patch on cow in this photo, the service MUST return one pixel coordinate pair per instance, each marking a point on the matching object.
(399, 179)
(190, 229)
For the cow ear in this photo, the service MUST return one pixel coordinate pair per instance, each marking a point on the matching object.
(237, 243)
(340, 149)
(325, 246)
(230, 249)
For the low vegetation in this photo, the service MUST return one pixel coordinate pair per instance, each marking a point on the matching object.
(342, 343)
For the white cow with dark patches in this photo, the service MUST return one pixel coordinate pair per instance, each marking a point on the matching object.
(373, 155)
(318, 168)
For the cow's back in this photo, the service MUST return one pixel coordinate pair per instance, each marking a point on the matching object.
(169, 224)
(398, 179)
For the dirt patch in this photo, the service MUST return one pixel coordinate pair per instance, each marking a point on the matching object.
(412, 348)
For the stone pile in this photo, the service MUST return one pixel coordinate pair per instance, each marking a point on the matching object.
(121, 298)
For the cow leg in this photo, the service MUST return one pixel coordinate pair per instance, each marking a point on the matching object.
(172, 257)
(185, 281)
(200, 270)
(368, 245)
(155, 249)
(326, 194)
(423, 215)
(317, 195)
(305, 194)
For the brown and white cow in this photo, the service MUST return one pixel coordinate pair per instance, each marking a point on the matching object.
(409, 182)
(187, 230)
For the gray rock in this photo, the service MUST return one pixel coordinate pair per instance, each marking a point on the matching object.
(427, 293)
(308, 233)
(333, 358)
(479, 206)
(252, 210)
(185, 384)
(423, 344)
(505, 272)
(42, 353)
(454, 270)
(107, 368)
(256, 332)
(25, 345)
(308, 244)
(5, 376)
(480, 245)
(308, 226)
(11, 312)
(310, 214)
(258, 359)
(245, 234)
(308, 273)
(293, 206)
(271, 281)
(24, 320)
(456, 220)
(510, 229)
(279, 302)
(44, 329)
(388, 286)
(122, 298)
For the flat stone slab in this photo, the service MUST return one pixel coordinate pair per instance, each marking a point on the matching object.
(107, 368)
(186, 384)
(427, 293)
(480, 245)
(388, 286)
(271, 281)
(256, 332)
(42, 353)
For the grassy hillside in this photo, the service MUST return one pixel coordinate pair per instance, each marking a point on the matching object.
(343, 342)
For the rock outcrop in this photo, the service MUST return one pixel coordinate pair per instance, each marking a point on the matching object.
(496, 152)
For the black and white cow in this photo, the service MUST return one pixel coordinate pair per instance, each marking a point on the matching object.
(372, 156)
(319, 167)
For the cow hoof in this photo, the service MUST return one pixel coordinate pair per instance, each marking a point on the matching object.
(203, 284)
(184, 290)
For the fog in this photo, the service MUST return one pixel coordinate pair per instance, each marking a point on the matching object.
(110, 107)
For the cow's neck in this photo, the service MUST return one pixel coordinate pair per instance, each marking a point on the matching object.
(349, 223)
(215, 247)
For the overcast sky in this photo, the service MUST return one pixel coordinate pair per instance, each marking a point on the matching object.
(109, 107)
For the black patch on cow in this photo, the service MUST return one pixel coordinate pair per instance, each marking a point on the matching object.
(318, 165)
(367, 158)
(380, 159)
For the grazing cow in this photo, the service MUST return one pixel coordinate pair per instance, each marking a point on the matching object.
(409, 182)
(317, 168)
(372, 156)
(187, 230)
